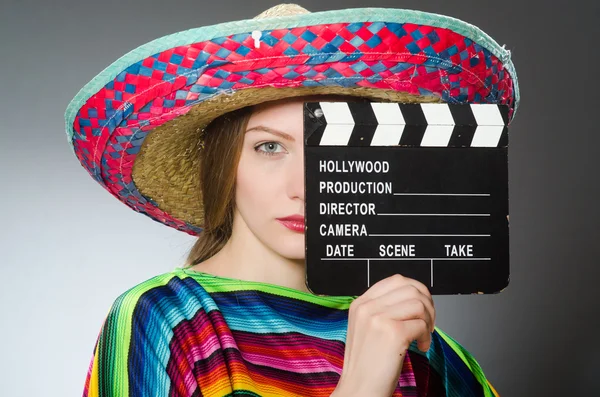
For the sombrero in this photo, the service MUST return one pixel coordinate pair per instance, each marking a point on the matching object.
(136, 127)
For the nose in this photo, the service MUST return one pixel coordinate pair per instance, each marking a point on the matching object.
(296, 177)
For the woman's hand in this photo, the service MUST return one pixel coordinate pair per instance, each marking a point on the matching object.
(382, 323)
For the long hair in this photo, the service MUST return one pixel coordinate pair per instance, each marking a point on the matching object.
(223, 142)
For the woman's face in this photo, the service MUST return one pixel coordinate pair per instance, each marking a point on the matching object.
(270, 176)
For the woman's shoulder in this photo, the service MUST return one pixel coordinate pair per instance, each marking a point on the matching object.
(137, 290)
(136, 337)
(167, 290)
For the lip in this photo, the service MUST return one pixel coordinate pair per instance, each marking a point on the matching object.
(295, 218)
(294, 222)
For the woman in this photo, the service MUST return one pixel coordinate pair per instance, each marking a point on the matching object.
(237, 318)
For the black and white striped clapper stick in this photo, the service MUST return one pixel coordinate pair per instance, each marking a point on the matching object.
(419, 189)
(364, 123)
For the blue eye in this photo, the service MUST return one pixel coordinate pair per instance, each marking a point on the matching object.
(270, 145)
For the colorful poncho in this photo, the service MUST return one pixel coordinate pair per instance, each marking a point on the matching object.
(186, 333)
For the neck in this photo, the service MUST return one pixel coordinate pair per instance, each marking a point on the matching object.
(245, 257)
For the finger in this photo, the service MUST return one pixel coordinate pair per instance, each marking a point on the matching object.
(416, 330)
(407, 292)
(389, 283)
(424, 343)
(423, 338)
(408, 310)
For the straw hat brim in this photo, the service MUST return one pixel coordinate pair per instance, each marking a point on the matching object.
(167, 166)
(136, 126)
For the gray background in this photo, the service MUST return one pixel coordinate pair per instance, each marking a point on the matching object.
(69, 248)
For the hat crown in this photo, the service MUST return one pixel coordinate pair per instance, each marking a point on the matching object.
(281, 10)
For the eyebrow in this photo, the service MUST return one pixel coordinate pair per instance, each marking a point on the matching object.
(272, 131)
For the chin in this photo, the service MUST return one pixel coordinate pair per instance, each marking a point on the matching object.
(298, 257)
(293, 251)
(288, 244)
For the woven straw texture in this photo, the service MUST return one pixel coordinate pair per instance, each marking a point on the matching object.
(139, 134)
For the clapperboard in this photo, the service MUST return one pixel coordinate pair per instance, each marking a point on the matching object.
(416, 189)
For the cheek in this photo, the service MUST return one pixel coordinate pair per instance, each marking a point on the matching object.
(256, 186)
(248, 187)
